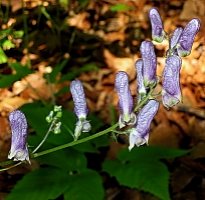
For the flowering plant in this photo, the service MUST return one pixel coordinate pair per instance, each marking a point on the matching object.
(135, 118)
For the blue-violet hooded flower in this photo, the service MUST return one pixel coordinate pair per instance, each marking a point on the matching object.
(149, 63)
(140, 81)
(19, 126)
(171, 91)
(140, 134)
(127, 117)
(187, 37)
(175, 37)
(80, 108)
(158, 33)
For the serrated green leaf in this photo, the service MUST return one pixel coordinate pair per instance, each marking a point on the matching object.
(7, 44)
(142, 169)
(149, 176)
(151, 153)
(85, 186)
(42, 184)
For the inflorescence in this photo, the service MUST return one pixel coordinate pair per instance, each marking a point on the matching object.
(135, 117)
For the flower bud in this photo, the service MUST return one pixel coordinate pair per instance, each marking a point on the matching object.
(171, 92)
(127, 117)
(149, 63)
(80, 106)
(140, 82)
(187, 37)
(18, 123)
(57, 128)
(140, 135)
(158, 33)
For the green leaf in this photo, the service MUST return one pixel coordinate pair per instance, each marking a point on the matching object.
(64, 3)
(18, 34)
(35, 115)
(142, 169)
(21, 71)
(3, 59)
(120, 7)
(56, 70)
(149, 176)
(151, 153)
(70, 160)
(7, 44)
(4, 33)
(42, 184)
(85, 186)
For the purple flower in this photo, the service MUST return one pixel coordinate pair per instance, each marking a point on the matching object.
(149, 63)
(18, 123)
(171, 92)
(80, 108)
(127, 117)
(140, 134)
(187, 37)
(158, 33)
(140, 82)
(175, 37)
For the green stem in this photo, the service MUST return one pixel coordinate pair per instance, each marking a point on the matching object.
(45, 137)
(73, 143)
(144, 101)
(10, 167)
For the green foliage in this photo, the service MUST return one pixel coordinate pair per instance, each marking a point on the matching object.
(86, 186)
(36, 115)
(142, 169)
(50, 183)
(41, 184)
(20, 72)
(64, 3)
(6, 43)
(3, 57)
(71, 160)
(120, 7)
(56, 70)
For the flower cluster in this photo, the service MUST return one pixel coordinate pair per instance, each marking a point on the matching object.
(140, 121)
(180, 44)
(135, 121)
